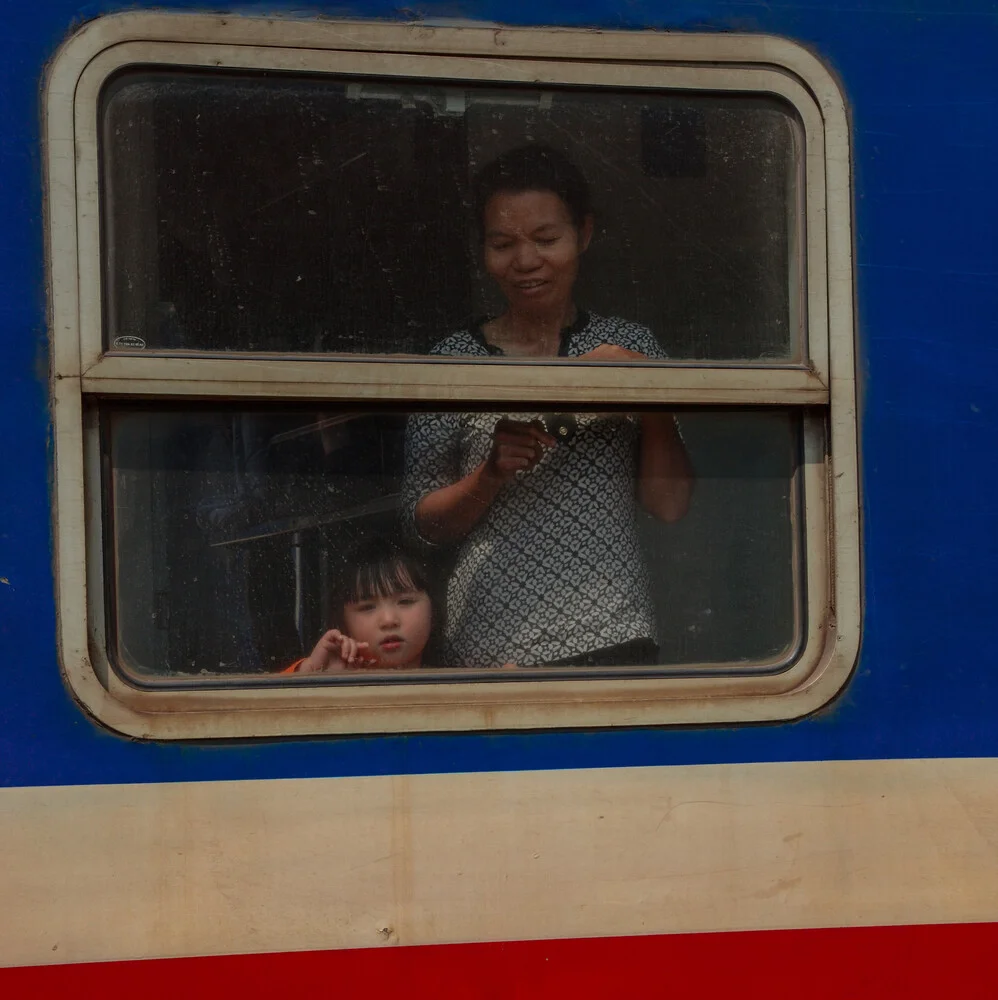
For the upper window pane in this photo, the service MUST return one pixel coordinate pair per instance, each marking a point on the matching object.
(335, 215)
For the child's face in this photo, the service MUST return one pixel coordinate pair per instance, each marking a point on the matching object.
(396, 627)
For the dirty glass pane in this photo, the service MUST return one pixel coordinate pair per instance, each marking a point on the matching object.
(234, 533)
(304, 214)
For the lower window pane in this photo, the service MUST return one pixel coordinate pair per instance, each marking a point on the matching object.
(449, 541)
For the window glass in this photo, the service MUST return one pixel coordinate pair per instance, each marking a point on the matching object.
(299, 214)
(231, 533)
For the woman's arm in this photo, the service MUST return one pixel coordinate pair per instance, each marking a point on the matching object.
(665, 475)
(449, 513)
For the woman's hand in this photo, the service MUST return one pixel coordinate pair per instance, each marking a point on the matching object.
(516, 447)
(665, 475)
(449, 513)
(336, 652)
(612, 352)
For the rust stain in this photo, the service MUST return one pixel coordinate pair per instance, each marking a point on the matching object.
(781, 885)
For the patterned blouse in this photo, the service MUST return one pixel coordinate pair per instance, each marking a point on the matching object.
(554, 568)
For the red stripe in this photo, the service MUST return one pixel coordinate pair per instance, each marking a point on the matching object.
(853, 962)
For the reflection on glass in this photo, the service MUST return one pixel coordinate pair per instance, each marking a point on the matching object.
(346, 220)
(239, 539)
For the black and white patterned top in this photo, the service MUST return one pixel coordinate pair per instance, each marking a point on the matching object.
(554, 569)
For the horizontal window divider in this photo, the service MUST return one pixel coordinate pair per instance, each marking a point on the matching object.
(493, 361)
(397, 381)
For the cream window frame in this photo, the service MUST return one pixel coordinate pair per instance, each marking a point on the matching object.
(823, 382)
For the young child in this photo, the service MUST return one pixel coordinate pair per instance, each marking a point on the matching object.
(383, 611)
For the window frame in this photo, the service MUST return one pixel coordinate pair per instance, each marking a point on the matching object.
(822, 385)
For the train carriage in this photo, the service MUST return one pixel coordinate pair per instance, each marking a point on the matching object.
(704, 696)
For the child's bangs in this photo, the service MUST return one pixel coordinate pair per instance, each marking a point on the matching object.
(385, 577)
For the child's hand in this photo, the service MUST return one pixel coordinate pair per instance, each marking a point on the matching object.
(335, 652)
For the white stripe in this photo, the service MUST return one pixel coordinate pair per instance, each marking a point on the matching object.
(135, 871)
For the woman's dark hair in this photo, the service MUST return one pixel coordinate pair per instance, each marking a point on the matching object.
(376, 567)
(533, 168)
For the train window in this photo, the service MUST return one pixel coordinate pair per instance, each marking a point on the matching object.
(455, 378)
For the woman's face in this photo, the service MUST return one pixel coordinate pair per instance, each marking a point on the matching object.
(532, 248)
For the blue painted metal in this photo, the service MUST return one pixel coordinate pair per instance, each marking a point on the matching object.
(922, 82)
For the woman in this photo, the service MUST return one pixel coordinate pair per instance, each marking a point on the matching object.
(548, 567)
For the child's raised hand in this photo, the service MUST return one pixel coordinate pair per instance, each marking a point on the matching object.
(335, 652)
(354, 653)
